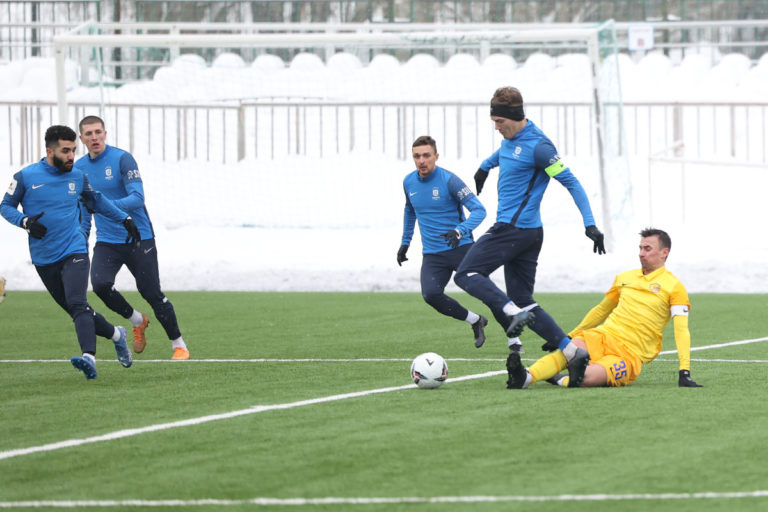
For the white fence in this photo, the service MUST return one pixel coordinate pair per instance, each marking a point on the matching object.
(255, 131)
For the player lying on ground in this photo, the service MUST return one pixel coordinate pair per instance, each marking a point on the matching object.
(624, 331)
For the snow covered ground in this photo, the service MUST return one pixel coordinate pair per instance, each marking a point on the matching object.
(219, 227)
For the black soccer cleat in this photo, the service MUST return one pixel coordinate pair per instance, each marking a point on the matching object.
(577, 367)
(479, 331)
(518, 322)
(515, 371)
(555, 380)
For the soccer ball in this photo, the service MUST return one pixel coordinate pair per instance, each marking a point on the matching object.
(429, 370)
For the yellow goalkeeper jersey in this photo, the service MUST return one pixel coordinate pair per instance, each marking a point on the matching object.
(643, 309)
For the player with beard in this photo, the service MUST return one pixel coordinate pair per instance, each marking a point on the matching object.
(50, 193)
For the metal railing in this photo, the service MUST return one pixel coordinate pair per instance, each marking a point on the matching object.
(259, 130)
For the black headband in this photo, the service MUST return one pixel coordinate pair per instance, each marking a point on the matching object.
(514, 113)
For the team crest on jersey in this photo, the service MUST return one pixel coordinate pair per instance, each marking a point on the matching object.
(654, 287)
(518, 150)
(435, 193)
(12, 187)
(72, 187)
(108, 173)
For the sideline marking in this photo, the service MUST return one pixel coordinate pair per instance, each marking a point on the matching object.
(364, 360)
(382, 500)
(119, 434)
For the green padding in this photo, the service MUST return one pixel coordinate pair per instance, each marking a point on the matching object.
(555, 169)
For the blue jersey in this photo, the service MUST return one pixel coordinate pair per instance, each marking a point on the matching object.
(115, 174)
(42, 188)
(526, 164)
(437, 201)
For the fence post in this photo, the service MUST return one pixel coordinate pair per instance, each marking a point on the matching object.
(733, 130)
(677, 127)
(240, 132)
(458, 131)
(130, 129)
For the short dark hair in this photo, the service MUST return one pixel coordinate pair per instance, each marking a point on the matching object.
(425, 140)
(510, 96)
(90, 120)
(58, 132)
(664, 241)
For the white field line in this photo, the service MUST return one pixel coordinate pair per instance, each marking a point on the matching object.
(370, 360)
(119, 434)
(386, 501)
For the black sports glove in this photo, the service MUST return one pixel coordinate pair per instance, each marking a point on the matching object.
(85, 205)
(596, 236)
(452, 238)
(34, 227)
(480, 177)
(134, 236)
(685, 380)
(401, 255)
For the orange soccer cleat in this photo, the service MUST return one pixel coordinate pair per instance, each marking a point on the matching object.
(139, 340)
(180, 354)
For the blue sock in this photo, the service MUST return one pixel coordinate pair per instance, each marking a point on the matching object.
(564, 343)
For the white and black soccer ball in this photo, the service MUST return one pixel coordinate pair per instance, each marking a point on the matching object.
(429, 370)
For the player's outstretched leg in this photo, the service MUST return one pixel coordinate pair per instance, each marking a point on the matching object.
(577, 367)
(519, 378)
(478, 328)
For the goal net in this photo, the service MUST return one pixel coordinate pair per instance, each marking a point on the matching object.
(305, 114)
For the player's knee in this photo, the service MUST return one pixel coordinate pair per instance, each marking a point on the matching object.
(461, 279)
(102, 288)
(76, 309)
(433, 298)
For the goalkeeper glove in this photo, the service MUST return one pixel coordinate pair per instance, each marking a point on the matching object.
(596, 236)
(134, 236)
(401, 255)
(480, 177)
(34, 227)
(685, 380)
(452, 238)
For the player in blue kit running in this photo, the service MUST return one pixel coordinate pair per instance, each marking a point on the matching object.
(527, 161)
(50, 193)
(436, 198)
(115, 173)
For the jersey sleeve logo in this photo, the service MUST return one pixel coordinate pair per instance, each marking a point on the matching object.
(12, 186)
(463, 193)
(134, 174)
